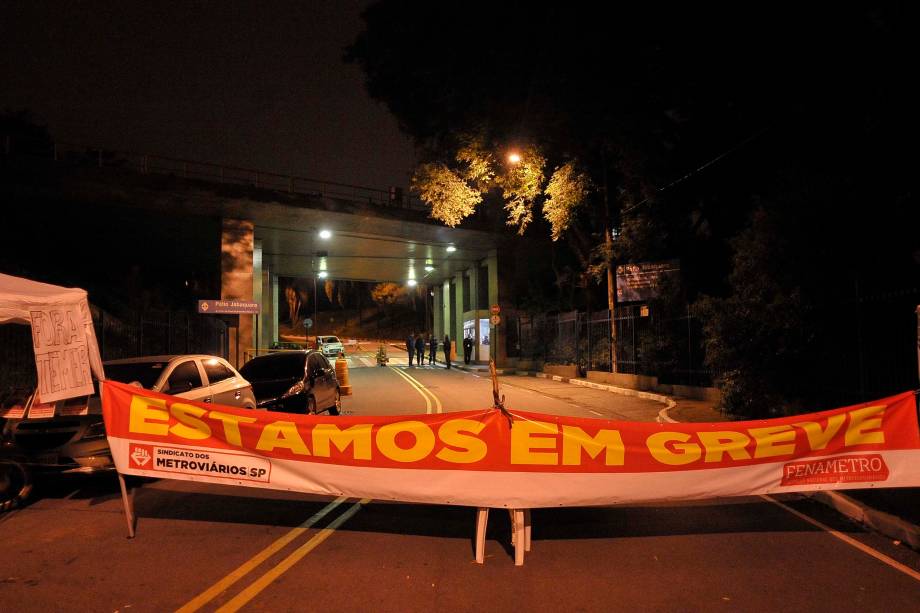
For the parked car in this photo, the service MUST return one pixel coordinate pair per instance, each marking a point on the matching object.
(330, 346)
(285, 345)
(294, 382)
(71, 442)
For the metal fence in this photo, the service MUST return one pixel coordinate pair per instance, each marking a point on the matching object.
(160, 333)
(150, 333)
(669, 348)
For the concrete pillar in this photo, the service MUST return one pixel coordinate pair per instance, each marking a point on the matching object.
(474, 289)
(457, 335)
(438, 324)
(236, 282)
(474, 306)
(274, 320)
(258, 340)
(269, 318)
(446, 304)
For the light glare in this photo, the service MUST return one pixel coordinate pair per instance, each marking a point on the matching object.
(325, 234)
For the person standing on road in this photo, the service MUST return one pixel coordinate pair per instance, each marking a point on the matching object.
(410, 347)
(467, 348)
(447, 350)
(432, 348)
(420, 350)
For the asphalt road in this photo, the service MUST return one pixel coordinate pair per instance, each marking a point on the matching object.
(208, 548)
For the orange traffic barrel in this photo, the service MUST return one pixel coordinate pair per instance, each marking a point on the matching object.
(341, 373)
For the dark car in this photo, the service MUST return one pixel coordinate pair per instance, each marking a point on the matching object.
(294, 382)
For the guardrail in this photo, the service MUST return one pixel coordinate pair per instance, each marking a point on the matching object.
(146, 163)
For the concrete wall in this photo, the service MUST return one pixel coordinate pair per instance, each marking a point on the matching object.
(236, 279)
(646, 383)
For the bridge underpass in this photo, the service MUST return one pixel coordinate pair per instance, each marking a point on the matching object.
(459, 267)
(173, 212)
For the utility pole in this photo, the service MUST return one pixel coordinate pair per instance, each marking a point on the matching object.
(611, 266)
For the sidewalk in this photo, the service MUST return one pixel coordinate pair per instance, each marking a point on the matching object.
(893, 512)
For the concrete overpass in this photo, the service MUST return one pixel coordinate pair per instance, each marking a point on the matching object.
(270, 227)
(262, 241)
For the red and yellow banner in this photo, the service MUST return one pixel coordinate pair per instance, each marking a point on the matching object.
(483, 458)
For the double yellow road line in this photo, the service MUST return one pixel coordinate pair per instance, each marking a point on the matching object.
(433, 405)
(256, 587)
(426, 393)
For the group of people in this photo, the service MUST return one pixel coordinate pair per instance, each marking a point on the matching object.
(415, 346)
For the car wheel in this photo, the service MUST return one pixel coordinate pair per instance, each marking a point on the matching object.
(311, 405)
(15, 484)
(336, 408)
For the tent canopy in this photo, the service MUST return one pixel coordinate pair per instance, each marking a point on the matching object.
(19, 296)
(64, 341)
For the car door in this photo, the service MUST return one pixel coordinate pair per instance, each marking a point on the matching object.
(185, 380)
(226, 386)
(317, 370)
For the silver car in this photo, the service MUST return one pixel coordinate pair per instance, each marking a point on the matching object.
(73, 439)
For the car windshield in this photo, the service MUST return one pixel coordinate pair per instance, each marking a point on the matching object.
(145, 373)
(330, 339)
(275, 366)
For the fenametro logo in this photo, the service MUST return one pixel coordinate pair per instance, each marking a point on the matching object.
(841, 469)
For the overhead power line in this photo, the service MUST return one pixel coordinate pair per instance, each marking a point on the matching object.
(696, 171)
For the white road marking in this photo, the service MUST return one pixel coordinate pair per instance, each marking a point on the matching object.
(849, 540)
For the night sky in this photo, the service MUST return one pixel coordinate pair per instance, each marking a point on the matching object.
(253, 84)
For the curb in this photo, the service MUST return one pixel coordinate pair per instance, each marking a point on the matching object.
(884, 523)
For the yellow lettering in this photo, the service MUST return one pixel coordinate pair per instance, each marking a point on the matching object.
(861, 422)
(457, 433)
(529, 435)
(144, 411)
(359, 436)
(574, 440)
(684, 453)
(282, 434)
(819, 438)
(232, 426)
(773, 441)
(423, 445)
(189, 425)
(719, 443)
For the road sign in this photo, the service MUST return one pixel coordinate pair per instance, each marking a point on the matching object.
(495, 319)
(308, 323)
(495, 309)
(228, 307)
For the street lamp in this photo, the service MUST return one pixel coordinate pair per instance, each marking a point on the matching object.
(322, 275)
(514, 157)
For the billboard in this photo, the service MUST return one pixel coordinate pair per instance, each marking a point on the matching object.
(641, 281)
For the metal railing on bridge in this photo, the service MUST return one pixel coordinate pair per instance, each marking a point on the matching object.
(146, 163)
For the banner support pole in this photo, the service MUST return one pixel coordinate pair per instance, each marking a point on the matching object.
(482, 520)
(127, 501)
